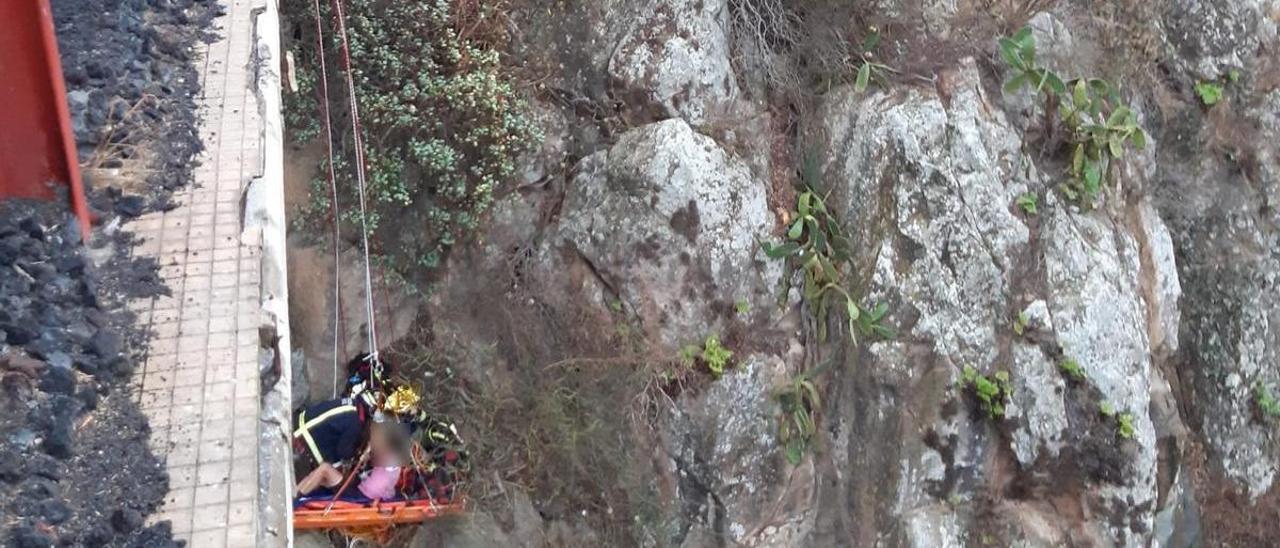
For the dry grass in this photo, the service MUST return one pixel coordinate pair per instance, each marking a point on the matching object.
(572, 433)
(134, 160)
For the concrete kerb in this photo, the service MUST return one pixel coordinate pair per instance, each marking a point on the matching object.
(264, 213)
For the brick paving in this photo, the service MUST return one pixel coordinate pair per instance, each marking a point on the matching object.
(199, 384)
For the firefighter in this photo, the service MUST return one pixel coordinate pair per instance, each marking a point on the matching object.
(329, 433)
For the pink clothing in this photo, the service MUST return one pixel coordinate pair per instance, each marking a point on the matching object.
(380, 482)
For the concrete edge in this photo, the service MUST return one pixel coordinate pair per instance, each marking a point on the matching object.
(265, 212)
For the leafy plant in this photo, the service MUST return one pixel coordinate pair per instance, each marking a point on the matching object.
(1072, 369)
(869, 69)
(1107, 409)
(1124, 426)
(1124, 421)
(1266, 403)
(817, 245)
(1019, 51)
(442, 123)
(712, 354)
(715, 356)
(870, 322)
(800, 404)
(1029, 203)
(1210, 93)
(742, 306)
(992, 392)
(1020, 324)
(1098, 127)
(1099, 134)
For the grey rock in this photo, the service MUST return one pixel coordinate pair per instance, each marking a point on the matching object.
(734, 456)
(1037, 402)
(931, 182)
(1210, 38)
(59, 360)
(676, 58)
(669, 223)
(105, 344)
(58, 380)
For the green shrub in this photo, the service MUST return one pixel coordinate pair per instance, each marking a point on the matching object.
(817, 245)
(796, 431)
(1072, 369)
(1267, 404)
(1210, 93)
(712, 354)
(441, 122)
(1124, 421)
(869, 69)
(1098, 126)
(1029, 203)
(992, 392)
(1107, 409)
(1124, 426)
(1020, 324)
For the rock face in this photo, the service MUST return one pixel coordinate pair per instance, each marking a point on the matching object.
(1133, 335)
(312, 309)
(1223, 221)
(932, 179)
(669, 222)
(729, 467)
(676, 58)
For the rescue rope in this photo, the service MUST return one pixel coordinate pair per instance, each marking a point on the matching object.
(333, 196)
(340, 15)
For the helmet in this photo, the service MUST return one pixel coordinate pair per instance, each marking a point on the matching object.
(368, 368)
(403, 401)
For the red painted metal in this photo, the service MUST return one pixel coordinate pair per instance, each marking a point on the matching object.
(37, 147)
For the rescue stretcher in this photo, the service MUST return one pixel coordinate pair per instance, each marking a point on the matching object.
(360, 516)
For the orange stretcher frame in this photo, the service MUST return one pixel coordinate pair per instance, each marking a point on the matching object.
(376, 515)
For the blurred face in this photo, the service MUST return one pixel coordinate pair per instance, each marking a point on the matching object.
(382, 443)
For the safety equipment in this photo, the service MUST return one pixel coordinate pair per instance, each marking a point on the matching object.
(304, 427)
(403, 401)
(361, 392)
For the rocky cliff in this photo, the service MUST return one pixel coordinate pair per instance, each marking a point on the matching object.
(1131, 340)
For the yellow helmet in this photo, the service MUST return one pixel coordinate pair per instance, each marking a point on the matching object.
(403, 401)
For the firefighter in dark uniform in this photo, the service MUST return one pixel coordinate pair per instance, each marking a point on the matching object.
(328, 434)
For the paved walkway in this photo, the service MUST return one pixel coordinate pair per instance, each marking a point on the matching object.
(199, 384)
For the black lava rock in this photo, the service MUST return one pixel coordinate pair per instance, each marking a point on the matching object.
(26, 536)
(86, 364)
(54, 511)
(18, 335)
(58, 380)
(88, 396)
(11, 468)
(44, 466)
(98, 534)
(38, 488)
(126, 520)
(131, 206)
(59, 440)
(105, 344)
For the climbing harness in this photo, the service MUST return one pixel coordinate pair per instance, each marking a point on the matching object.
(304, 427)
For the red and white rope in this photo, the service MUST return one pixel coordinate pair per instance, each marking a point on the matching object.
(340, 16)
(333, 196)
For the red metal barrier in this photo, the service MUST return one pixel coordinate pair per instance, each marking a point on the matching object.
(37, 148)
